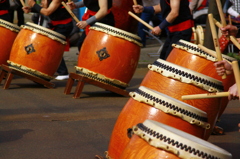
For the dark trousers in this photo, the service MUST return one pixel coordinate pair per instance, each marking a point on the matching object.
(64, 29)
(173, 38)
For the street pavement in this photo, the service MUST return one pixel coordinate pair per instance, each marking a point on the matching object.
(41, 123)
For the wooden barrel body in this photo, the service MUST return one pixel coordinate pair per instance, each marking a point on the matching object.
(109, 55)
(8, 33)
(37, 51)
(145, 104)
(190, 56)
(176, 81)
(153, 140)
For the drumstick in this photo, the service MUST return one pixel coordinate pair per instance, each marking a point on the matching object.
(220, 10)
(206, 95)
(215, 40)
(23, 4)
(135, 2)
(70, 12)
(210, 52)
(217, 23)
(140, 20)
(236, 75)
(235, 42)
(229, 20)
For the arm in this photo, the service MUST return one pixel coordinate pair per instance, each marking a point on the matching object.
(45, 11)
(223, 67)
(233, 92)
(175, 5)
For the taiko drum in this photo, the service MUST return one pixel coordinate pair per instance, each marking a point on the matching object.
(109, 55)
(152, 140)
(8, 33)
(190, 56)
(176, 81)
(145, 104)
(37, 51)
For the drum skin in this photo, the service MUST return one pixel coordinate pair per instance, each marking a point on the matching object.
(135, 112)
(122, 59)
(46, 57)
(201, 65)
(6, 41)
(139, 148)
(176, 89)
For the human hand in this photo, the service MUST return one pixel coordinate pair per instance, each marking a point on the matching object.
(71, 5)
(82, 24)
(26, 9)
(138, 8)
(229, 30)
(233, 92)
(223, 67)
(156, 31)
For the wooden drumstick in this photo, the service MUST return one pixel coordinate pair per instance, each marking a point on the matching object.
(22, 2)
(235, 41)
(206, 95)
(220, 10)
(140, 20)
(236, 75)
(229, 20)
(210, 52)
(135, 2)
(70, 12)
(217, 23)
(215, 40)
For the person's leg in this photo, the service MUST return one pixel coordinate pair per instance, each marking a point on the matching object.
(20, 16)
(145, 17)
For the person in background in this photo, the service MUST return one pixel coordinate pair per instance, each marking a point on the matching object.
(97, 11)
(61, 22)
(20, 14)
(147, 17)
(177, 18)
(4, 10)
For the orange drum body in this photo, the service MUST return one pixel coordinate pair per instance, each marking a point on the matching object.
(176, 81)
(8, 33)
(123, 20)
(154, 140)
(149, 104)
(109, 55)
(37, 51)
(190, 56)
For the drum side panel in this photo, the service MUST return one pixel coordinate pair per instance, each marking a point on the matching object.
(135, 112)
(6, 42)
(138, 148)
(177, 89)
(37, 52)
(110, 56)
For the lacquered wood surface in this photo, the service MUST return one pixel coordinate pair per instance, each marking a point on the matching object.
(46, 57)
(201, 65)
(177, 89)
(137, 148)
(123, 56)
(6, 42)
(135, 112)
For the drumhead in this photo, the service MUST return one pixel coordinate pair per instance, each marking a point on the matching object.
(178, 142)
(117, 32)
(9, 25)
(186, 75)
(45, 31)
(171, 106)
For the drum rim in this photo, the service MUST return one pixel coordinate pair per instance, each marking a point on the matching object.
(171, 139)
(101, 78)
(134, 38)
(171, 106)
(45, 31)
(10, 26)
(188, 76)
(198, 51)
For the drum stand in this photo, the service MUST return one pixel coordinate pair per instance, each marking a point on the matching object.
(81, 80)
(8, 74)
